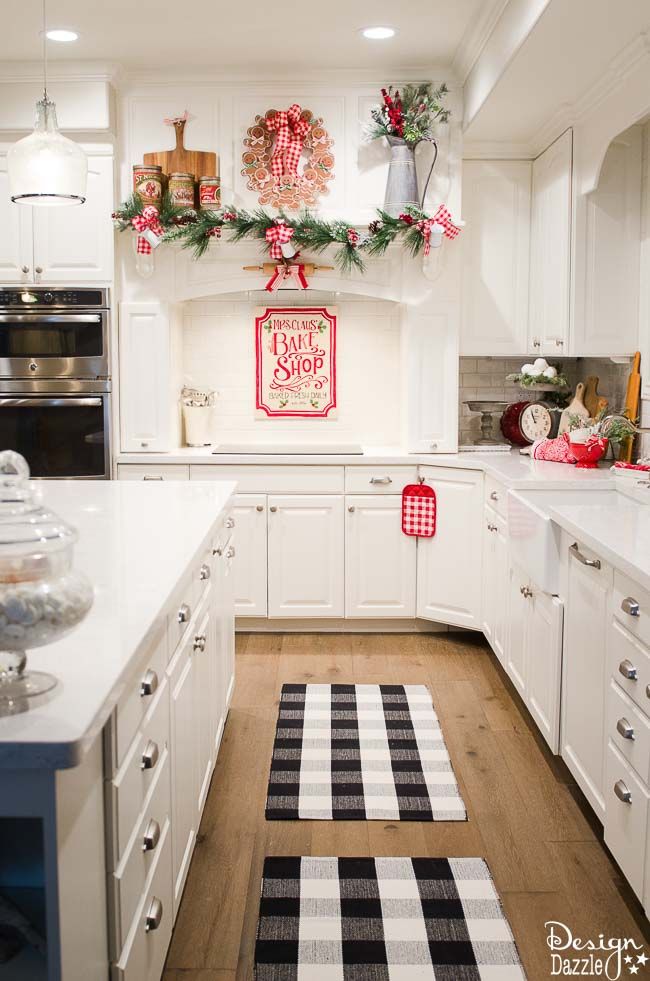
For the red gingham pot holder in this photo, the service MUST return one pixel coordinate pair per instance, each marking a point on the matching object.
(419, 510)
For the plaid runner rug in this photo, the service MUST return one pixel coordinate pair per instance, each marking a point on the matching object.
(382, 919)
(360, 752)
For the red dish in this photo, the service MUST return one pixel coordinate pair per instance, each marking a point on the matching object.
(588, 454)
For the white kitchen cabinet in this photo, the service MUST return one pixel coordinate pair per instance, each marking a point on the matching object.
(496, 254)
(227, 634)
(550, 248)
(495, 580)
(516, 653)
(449, 565)
(145, 377)
(207, 705)
(380, 560)
(59, 245)
(183, 739)
(430, 339)
(544, 663)
(249, 572)
(306, 555)
(588, 588)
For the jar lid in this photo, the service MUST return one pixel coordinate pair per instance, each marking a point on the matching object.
(209, 177)
(25, 525)
(155, 167)
(179, 173)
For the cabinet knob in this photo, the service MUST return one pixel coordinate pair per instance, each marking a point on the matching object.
(260, 507)
(273, 508)
(151, 836)
(199, 643)
(631, 607)
(351, 509)
(230, 522)
(433, 446)
(38, 269)
(491, 527)
(622, 792)
(205, 572)
(149, 683)
(625, 729)
(526, 591)
(154, 915)
(559, 342)
(24, 269)
(143, 444)
(230, 552)
(218, 550)
(150, 756)
(494, 496)
(184, 613)
(536, 342)
(627, 669)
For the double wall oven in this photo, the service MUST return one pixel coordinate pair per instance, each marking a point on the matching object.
(55, 386)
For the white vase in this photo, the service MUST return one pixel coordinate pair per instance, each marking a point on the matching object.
(197, 420)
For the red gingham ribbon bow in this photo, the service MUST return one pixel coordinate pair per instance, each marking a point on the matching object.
(290, 130)
(424, 227)
(277, 236)
(295, 271)
(149, 228)
(442, 217)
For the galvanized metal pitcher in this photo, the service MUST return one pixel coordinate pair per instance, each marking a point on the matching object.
(402, 183)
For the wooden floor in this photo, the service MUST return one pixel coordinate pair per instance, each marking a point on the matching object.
(546, 859)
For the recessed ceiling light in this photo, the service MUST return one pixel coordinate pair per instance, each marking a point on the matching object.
(59, 34)
(378, 33)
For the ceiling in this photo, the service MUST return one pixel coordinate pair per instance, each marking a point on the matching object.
(567, 53)
(276, 35)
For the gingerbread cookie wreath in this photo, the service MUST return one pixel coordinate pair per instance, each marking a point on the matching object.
(275, 145)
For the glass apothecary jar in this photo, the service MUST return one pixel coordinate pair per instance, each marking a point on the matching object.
(42, 597)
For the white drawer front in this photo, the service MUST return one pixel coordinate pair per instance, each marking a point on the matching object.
(631, 605)
(274, 478)
(630, 664)
(378, 480)
(138, 698)
(144, 953)
(625, 821)
(131, 874)
(152, 471)
(495, 495)
(629, 730)
(133, 781)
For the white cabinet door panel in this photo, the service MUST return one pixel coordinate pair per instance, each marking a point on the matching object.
(379, 558)
(249, 571)
(449, 565)
(145, 372)
(203, 653)
(544, 664)
(495, 581)
(183, 733)
(306, 556)
(15, 234)
(516, 659)
(496, 247)
(75, 245)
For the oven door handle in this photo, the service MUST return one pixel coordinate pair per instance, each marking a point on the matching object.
(37, 403)
(50, 318)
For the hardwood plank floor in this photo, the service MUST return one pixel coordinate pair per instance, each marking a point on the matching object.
(525, 818)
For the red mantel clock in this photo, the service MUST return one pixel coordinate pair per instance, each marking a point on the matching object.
(524, 422)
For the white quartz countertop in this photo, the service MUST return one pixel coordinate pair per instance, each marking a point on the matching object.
(135, 542)
(510, 468)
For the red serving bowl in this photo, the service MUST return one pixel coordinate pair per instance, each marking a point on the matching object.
(588, 454)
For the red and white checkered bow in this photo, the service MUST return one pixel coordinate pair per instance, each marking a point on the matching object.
(442, 217)
(150, 231)
(290, 130)
(277, 236)
(295, 271)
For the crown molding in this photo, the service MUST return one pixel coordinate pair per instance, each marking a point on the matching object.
(476, 37)
(61, 71)
(248, 77)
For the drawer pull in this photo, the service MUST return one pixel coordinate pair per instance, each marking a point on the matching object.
(491, 527)
(625, 729)
(154, 915)
(260, 507)
(592, 563)
(273, 508)
(150, 756)
(352, 509)
(631, 607)
(184, 613)
(526, 591)
(381, 480)
(627, 669)
(205, 572)
(199, 642)
(621, 791)
(151, 476)
(218, 550)
(149, 683)
(494, 496)
(230, 522)
(151, 836)
(230, 552)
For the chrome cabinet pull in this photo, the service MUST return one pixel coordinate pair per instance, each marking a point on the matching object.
(526, 591)
(381, 480)
(625, 729)
(622, 792)
(205, 572)
(148, 476)
(273, 508)
(151, 836)
(260, 507)
(199, 642)
(149, 683)
(352, 509)
(150, 756)
(184, 613)
(631, 607)
(627, 669)
(230, 552)
(218, 550)
(592, 563)
(154, 915)
(24, 269)
(494, 496)
(491, 527)
(559, 342)
(230, 522)
(536, 342)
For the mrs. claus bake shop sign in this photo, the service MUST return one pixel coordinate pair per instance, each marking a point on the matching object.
(295, 358)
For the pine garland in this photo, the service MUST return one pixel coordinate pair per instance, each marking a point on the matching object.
(194, 230)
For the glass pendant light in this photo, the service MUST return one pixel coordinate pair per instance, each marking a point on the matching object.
(46, 167)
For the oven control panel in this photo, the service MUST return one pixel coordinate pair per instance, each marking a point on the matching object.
(35, 297)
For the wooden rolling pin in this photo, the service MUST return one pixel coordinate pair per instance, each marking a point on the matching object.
(268, 268)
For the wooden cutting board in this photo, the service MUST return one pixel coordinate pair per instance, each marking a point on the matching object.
(201, 163)
(631, 409)
(591, 397)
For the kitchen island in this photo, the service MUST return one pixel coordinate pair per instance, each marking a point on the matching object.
(105, 778)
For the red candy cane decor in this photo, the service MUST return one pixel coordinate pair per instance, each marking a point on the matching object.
(419, 510)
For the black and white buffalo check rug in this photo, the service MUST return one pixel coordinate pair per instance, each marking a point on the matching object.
(382, 919)
(360, 752)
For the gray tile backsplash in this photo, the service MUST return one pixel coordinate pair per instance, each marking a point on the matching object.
(485, 378)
